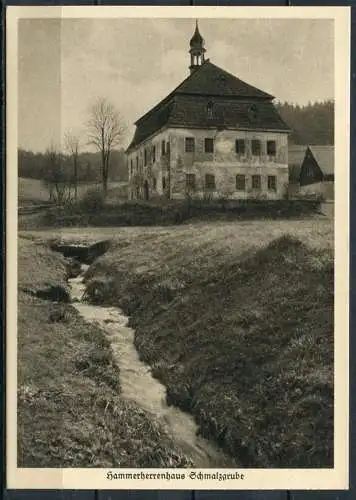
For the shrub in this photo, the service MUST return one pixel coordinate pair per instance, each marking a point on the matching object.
(93, 200)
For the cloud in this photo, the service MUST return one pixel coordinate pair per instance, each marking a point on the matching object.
(65, 65)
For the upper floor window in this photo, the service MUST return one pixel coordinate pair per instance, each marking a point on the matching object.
(190, 181)
(189, 144)
(163, 148)
(145, 157)
(137, 163)
(256, 182)
(208, 145)
(168, 148)
(210, 181)
(271, 148)
(153, 154)
(256, 147)
(240, 146)
(240, 182)
(154, 183)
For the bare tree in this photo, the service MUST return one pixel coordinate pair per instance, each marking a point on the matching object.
(105, 131)
(71, 143)
(55, 176)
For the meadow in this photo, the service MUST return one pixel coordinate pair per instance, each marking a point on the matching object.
(236, 319)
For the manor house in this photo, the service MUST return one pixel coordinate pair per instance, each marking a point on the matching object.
(213, 135)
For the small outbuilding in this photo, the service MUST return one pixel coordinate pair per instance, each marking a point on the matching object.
(311, 169)
(311, 164)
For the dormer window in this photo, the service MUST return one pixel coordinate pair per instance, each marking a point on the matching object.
(209, 109)
(253, 112)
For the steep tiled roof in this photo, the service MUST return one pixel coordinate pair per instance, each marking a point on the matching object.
(234, 104)
(212, 80)
(192, 112)
(152, 123)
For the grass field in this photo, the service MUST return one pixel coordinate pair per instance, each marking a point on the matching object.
(70, 412)
(32, 191)
(237, 320)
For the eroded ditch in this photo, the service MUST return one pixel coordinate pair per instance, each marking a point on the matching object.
(136, 379)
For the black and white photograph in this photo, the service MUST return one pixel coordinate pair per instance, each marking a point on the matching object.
(177, 254)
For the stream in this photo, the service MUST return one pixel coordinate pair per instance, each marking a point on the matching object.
(138, 384)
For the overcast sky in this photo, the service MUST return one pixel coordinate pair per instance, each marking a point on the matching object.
(65, 64)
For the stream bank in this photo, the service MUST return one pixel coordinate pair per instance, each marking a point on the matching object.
(70, 408)
(136, 380)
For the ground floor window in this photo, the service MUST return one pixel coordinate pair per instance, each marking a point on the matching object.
(240, 182)
(272, 183)
(256, 182)
(190, 181)
(209, 181)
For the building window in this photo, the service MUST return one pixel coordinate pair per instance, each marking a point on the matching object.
(208, 145)
(209, 109)
(272, 183)
(189, 145)
(240, 146)
(209, 181)
(240, 182)
(256, 182)
(163, 148)
(190, 181)
(168, 148)
(154, 183)
(256, 147)
(163, 183)
(153, 154)
(252, 112)
(145, 156)
(137, 164)
(131, 167)
(271, 148)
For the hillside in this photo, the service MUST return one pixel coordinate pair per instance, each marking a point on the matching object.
(237, 321)
(310, 124)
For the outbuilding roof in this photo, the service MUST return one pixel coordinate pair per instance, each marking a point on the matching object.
(324, 156)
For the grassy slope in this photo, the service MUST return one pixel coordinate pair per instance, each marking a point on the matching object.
(240, 329)
(70, 413)
(33, 190)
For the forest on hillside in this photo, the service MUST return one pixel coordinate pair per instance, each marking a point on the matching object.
(35, 165)
(310, 124)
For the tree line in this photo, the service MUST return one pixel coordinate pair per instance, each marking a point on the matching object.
(310, 124)
(34, 165)
(62, 168)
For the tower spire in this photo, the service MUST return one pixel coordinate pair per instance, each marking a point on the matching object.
(197, 49)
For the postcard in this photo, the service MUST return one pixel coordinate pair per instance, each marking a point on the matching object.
(178, 247)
